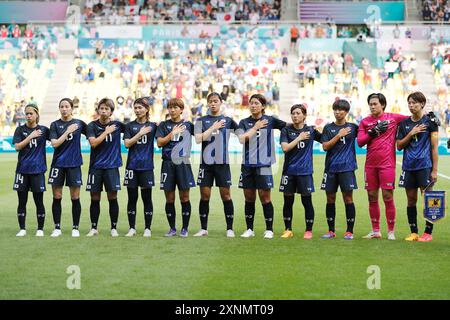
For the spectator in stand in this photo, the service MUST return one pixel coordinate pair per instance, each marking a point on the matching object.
(294, 36)
(4, 32)
(16, 32)
(436, 10)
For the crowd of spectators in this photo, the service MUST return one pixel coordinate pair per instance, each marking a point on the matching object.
(34, 42)
(440, 61)
(436, 10)
(189, 70)
(142, 11)
(321, 76)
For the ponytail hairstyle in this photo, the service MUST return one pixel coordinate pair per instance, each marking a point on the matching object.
(261, 100)
(212, 94)
(35, 108)
(70, 101)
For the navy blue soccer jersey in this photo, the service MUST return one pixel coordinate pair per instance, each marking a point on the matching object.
(298, 161)
(259, 150)
(107, 154)
(342, 157)
(417, 154)
(180, 145)
(140, 154)
(31, 159)
(68, 154)
(215, 149)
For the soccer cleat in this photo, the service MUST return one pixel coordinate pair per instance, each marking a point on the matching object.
(147, 233)
(230, 233)
(21, 233)
(131, 233)
(114, 233)
(329, 235)
(56, 233)
(171, 233)
(248, 233)
(92, 232)
(391, 235)
(201, 233)
(348, 236)
(268, 234)
(373, 235)
(308, 235)
(426, 237)
(412, 237)
(75, 233)
(287, 234)
(184, 233)
(40, 233)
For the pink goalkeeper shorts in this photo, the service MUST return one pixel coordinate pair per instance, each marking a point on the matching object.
(376, 178)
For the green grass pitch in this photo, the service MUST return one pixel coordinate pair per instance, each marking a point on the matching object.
(217, 267)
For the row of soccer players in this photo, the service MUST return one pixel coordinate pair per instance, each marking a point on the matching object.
(416, 135)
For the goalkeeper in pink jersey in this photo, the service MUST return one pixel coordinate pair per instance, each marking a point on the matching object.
(378, 132)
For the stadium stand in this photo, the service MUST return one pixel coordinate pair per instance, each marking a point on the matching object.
(21, 81)
(436, 10)
(142, 11)
(236, 69)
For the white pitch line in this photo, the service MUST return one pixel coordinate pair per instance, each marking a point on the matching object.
(439, 174)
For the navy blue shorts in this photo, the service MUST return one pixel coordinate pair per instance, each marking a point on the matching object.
(143, 179)
(220, 173)
(29, 182)
(345, 180)
(71, 176)
(97, 178)
(297, 184)
(256, 178)
(173, 175)
(415, 179)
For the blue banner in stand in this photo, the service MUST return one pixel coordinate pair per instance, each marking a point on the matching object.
(6, 145)
(434, 207)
